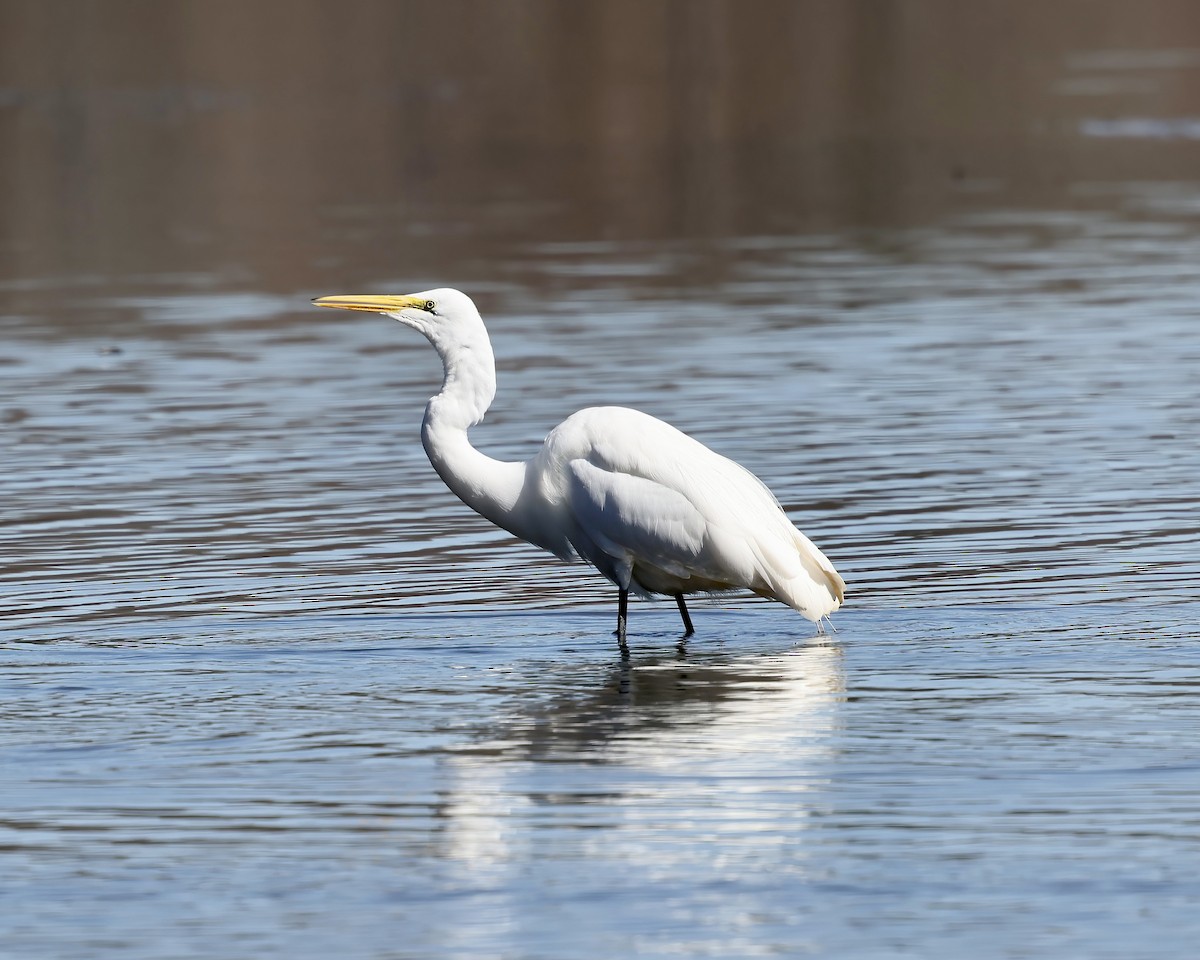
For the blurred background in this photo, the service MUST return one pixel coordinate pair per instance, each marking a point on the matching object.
(293, 145)
(928, 267)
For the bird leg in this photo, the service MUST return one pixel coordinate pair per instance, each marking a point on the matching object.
(622, 609)
(688, 629)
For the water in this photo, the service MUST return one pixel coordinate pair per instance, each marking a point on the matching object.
(269, 691)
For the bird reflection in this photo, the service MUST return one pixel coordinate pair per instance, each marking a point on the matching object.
(657, 737)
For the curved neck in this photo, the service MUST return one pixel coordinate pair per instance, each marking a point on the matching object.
(488, 486)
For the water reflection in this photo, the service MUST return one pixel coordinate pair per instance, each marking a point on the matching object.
(674, 705)
(672, 745)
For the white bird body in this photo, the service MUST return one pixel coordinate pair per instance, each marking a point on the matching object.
(652, 509)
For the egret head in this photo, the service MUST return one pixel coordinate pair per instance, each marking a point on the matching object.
(432, 312)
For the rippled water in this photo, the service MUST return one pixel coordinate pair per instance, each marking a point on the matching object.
(267, 690)
(270, 691)
(1002, 411)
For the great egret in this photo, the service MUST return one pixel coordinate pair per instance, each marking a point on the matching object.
(649, 507)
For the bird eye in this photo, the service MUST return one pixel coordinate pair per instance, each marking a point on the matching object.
(428, 308)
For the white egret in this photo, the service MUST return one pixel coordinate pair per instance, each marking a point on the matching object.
(649, 507)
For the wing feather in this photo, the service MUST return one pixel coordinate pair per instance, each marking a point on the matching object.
(634, 520)
(652, 507)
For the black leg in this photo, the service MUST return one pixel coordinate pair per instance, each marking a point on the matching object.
(688, 629)
(622, 610)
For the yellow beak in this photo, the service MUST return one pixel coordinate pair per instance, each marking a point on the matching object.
(371, 304)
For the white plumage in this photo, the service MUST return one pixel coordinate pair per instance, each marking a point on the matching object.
(654, 510)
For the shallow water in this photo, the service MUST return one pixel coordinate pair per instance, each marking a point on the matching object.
(269, 691)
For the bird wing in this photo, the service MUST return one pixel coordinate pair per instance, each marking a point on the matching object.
(653, 507)
(623, 521)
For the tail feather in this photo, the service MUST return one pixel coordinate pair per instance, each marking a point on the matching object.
(801, 576)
